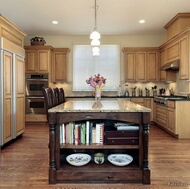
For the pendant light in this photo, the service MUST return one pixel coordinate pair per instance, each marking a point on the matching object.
(95, 35)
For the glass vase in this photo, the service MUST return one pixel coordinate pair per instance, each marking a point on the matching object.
(98, 93)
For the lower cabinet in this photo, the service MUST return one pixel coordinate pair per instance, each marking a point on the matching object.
(147, 102)
(171, 123)
(165, 116)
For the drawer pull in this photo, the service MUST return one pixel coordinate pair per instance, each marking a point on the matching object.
(88, 116)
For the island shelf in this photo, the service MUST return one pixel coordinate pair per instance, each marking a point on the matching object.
(115, 109)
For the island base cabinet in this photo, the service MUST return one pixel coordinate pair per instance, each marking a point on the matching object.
(60, 171)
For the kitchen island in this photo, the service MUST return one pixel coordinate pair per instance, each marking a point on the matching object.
(108, 109)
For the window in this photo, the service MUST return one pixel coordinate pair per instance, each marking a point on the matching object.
(85, 65)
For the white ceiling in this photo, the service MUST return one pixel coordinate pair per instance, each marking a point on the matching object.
(76, 17)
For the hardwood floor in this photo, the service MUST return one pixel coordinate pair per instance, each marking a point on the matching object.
(24, 163)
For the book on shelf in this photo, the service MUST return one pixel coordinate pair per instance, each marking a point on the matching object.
(77, 134)
(62, 134)
(99, 133)
(87, 132)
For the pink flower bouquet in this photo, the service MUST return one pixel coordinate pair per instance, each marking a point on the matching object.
(97, 82)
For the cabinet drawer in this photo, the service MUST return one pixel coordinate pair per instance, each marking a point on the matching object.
(121, 137)
(161, 121)
(171, 104)
(122, 141)
(161, 111)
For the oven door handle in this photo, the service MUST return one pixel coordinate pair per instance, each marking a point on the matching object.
(36, 79)
(33, 97)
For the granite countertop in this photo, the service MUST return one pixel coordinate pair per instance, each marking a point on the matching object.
(105, 105)
(110, 97)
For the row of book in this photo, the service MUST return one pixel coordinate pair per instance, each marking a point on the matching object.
(81, 133)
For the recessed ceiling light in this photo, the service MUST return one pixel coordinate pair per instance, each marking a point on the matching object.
(141, 21)
(54, 22)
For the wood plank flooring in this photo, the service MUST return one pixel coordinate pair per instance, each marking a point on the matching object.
(24, 163)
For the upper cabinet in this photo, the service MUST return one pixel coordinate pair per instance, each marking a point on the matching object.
(184, 57)
(38, 59)
(141, 64)
(178, 44)
(59, 64)
(177, 24)
(177, 48)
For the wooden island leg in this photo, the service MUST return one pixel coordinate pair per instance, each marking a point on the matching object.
(146, 170)
(52, 154)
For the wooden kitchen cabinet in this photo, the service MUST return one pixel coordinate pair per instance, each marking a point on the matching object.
(141, 64)
(141, 68)
(130, 66)
(59, 64)
(14, 95)
(38, 59)
(184, 57)
(171, 126)
(152, 65)
(168, 53)
(147, 102)
(172, 51)
(160, 116)
(162, 63)
(138, 101)
(20, 95)
(8, 93)
(12, 88)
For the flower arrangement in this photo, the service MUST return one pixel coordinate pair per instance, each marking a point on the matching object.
(97, 82)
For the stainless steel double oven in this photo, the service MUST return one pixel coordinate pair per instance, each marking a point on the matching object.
(34, 96)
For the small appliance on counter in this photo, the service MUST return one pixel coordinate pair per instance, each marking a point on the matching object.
(162, 91)
(167, 92)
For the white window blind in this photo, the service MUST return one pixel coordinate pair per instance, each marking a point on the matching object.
(107, 64)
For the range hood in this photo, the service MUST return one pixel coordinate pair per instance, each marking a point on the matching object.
(174, 65)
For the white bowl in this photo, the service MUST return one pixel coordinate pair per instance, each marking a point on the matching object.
(120, 159)
(78, 159)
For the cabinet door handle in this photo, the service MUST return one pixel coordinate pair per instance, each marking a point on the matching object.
(88, 116)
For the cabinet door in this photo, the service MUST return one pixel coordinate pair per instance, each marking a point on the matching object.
(43, 61)
(148, 102)
(171, 120)
(173, 52)
(31, 61)
(162, 62)
(20, 95)
(184, 58)
(8, 89)
(59, 64)
(129, 66)
(152, 66)
(141, 66)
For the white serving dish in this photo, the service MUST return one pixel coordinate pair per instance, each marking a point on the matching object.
(78, 159)
(120, 159)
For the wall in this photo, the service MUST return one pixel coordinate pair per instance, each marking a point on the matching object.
(122, 40)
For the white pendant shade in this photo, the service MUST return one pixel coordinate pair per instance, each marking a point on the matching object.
(95, 35)
(95, 42)
(95, 49)
(96, 54)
